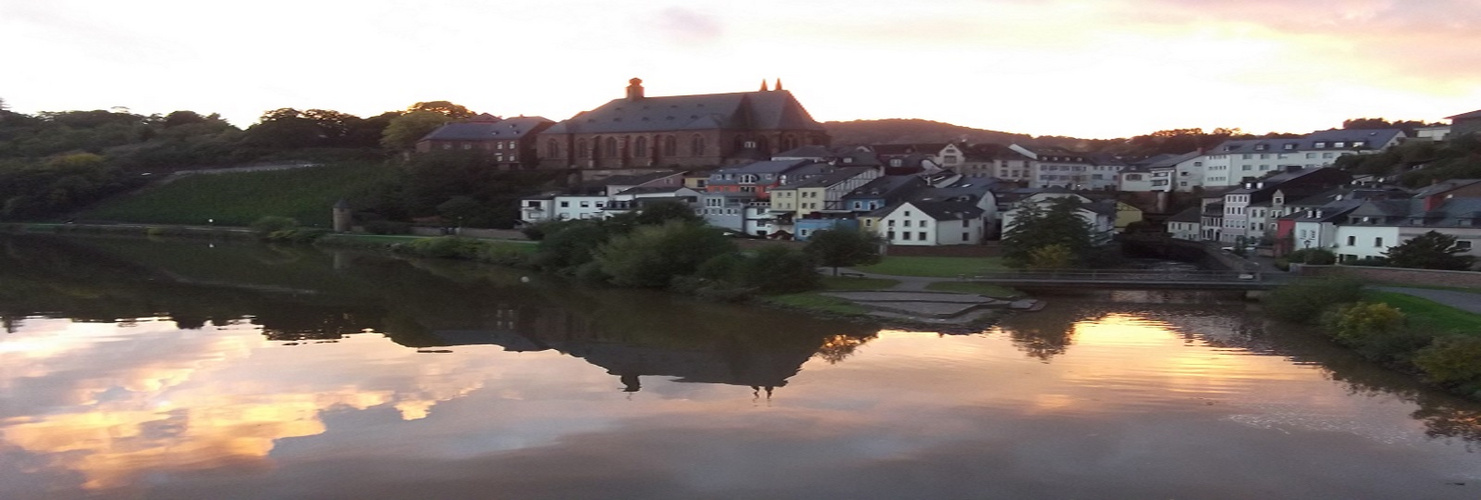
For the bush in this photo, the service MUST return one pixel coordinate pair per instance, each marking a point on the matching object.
(1452, 360)
(777, 270)
(651, 256)
(443, 247)
(1355, 323)
(1304, 301)
(1313, 256)
(270, 224)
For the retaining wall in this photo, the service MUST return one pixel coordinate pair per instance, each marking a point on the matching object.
(1399, 275)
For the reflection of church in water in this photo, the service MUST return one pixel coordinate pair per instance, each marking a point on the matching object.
(713, 359)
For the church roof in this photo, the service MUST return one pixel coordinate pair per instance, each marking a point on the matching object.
(483, 130)
(769, 110)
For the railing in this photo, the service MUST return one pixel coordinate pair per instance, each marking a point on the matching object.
(1121, 275)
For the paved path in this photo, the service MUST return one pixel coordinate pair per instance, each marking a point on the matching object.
(1465, 301)
(906, 283)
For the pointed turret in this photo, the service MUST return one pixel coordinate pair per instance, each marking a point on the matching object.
(779, 84)
(763, 85)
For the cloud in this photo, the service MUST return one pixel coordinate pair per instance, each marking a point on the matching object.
(687, 27)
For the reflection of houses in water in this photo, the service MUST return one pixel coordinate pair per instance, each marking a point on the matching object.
(710, 359)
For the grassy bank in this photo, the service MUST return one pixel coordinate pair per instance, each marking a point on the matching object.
(934, 267)
(1440, 344)
(238, 199)
(1430, 315)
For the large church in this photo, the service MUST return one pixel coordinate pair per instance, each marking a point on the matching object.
(706, 130)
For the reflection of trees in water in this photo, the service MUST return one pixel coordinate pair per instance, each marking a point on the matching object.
(836, 348)
(1442, 420)
(1044, 334)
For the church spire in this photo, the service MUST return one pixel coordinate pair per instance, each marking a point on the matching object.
(763, 85)
(778, 84)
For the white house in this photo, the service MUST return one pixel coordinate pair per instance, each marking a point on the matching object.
(932, 223)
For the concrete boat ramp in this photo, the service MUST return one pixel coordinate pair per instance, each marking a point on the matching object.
(945, 308)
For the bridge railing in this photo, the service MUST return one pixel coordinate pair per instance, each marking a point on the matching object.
(1070, 275)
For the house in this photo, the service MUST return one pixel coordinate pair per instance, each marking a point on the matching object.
(1373, 227)
(1237, 227)
(996, 160)
(1231, 162)
(933, 222)
(739, 212)
(879, 193)
(638, 131)
(1161, 173)
(619, 183)
(756, 177)
(1186, 225)
(510, 142)
(1465, 123)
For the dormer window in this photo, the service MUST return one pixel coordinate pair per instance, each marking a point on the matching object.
(1261, 147)
(1290, 147)
(1340, 145)
(1320, 145)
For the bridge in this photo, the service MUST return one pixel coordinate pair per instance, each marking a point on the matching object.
(1130, 279)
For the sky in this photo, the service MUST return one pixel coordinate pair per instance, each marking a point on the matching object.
(1091, 69)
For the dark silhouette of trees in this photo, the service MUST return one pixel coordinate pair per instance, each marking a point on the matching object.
(837, 248)
(1431, 250)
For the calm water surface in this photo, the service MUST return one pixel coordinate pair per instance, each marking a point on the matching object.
(141, 369)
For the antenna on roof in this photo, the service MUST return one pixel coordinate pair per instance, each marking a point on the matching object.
(763, 85)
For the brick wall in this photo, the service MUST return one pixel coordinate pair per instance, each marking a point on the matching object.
(1395, 275)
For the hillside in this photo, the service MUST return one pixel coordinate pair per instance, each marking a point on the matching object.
(237, 199)
(914, 130)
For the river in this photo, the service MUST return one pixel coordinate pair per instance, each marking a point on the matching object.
(190, 369)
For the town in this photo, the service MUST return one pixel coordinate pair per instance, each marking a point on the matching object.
(756, 164)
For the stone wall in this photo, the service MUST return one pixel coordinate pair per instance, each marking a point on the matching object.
(1396, 275)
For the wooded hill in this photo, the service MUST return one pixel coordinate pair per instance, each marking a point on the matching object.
(918, 131)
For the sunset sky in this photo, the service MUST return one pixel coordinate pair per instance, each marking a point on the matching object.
(1095, 69)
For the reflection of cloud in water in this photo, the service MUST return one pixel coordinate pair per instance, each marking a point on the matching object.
(112, 403)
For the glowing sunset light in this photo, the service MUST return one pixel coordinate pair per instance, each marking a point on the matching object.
(1102, 69)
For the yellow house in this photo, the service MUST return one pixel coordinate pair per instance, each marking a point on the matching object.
(1125, 215)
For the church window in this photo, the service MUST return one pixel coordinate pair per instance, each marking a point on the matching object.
(640, 147)
(670, 146)
(697, 145)
(552, 148)
(611, 147)
(581, 151)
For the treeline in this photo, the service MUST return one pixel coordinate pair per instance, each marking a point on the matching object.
(1421, 163)
(52, 163)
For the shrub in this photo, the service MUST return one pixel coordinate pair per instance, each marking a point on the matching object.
(444, 247)
(1304, 301)
(267, 225)
(776, 270)
(1452, 360)
(1355, 323)
(1314, 256)
(651, 256)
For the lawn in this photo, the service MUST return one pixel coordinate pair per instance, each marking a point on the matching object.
(237, 199)
(936, 267)
(842, 283)
(1431, 315)
(994, 291)
(815, 302)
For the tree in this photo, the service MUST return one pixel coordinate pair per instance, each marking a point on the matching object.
(837, 248)
(444, 108)
(652, 256)
(1040, 225)
(1431, 250)
(403, 132)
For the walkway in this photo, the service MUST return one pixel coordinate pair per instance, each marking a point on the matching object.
(1465, 301)
(909, 299)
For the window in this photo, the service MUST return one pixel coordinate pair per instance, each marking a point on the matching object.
(670, 146)
(922, 235)
(611, 147)
(965, 237)
(905, 236)
(1463, 245)
(1320, 145)
(585, 204)
(640, 147)
(1352, 240)
(697, 145)
(890, 235)
(581, 151)
(1378, 242)
(552, 148)
(906, 223)
(892, 223)
(565, 204)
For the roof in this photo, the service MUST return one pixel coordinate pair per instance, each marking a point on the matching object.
(1174, 160)
(886, 186)
(904, 149)
(1189, 215)
(760, 110)
(633, 180)
(942, 209)
(480, 129)
(1368, 137)
(1444, 186)
(829, 179)
(811, 151)
(1466, 116)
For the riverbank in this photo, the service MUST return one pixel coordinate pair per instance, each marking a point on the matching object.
(1394, 327)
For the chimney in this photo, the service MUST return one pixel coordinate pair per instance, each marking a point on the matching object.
(635, 89)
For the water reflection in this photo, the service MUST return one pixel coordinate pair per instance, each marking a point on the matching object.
(163, 370)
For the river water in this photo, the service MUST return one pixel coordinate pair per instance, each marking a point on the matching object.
(151, 369)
